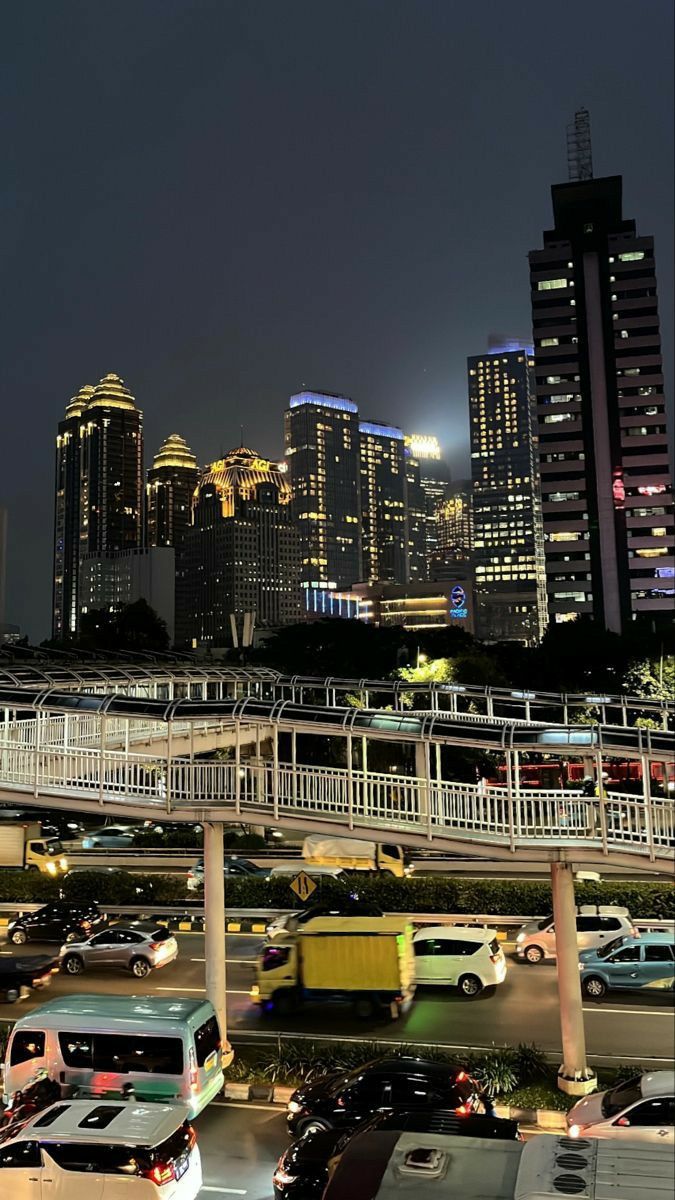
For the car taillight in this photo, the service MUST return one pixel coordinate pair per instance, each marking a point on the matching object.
(154, 945)
(462, 1076)
(194, 1073)
(463, 1110)
(494, 958)
(161, 1173)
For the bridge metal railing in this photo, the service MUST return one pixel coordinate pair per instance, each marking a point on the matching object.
(351, 798)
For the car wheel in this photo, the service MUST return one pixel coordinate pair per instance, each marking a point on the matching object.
(11, 996)
(313, 1125)
(285, 1002)
(534, 954)
(470, 985)
(594, 987)
(73, 964)
(18, 937)
(364, 1008)
(140, 967)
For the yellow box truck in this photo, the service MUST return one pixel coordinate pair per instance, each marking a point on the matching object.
(365, 961)
(24, 846)
(353, 854)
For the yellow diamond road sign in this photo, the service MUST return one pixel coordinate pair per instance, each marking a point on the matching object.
(303, 886)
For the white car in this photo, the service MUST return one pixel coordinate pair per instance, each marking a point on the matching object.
(470, 959)
(596, 926)
(92, 1149)
(640, 1109)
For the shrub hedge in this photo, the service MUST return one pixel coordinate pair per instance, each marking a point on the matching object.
(446, 894)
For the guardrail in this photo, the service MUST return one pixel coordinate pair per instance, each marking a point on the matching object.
(483, 919)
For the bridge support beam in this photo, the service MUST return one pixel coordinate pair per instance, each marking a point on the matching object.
(214, 921)
(574, 1077)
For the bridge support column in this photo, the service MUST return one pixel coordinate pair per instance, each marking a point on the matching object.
(214, 917)
(574, 1077)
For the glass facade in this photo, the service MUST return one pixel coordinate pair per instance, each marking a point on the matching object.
(383, 497)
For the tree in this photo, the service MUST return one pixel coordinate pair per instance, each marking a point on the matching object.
(651, 678)
(135, 627)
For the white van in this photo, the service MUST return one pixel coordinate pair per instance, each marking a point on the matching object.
(168, 1049)
(468, 958)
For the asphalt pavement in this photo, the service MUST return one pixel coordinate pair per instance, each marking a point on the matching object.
(240, 1146)
(524, 1008)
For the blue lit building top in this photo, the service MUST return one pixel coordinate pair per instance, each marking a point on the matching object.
(377, 430)
(505, 345)
(323, 400)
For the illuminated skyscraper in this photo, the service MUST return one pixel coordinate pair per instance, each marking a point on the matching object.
(65, 612)
(434, 480)
(507, 530)
(242, 552)
(383, 495)
(454, 531)
(111, 470)
(99, 488)
(321, 438)
(416, 521)
(172, 479)
(603, 443)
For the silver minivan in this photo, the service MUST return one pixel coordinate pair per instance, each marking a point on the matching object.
(596, 925)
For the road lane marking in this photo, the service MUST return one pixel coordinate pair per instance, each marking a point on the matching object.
(631, 1012)
(229, 991)
(207, 1187)
(248, 962)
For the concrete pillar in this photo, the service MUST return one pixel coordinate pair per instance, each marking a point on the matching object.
(574, 1076)
(214, 919)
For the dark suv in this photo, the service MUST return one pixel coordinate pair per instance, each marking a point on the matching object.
(338, 1101)
(56, 922)
(302, 1172)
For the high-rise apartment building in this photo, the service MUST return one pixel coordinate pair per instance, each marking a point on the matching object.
(434, 480)
(454, 531)
(242, 551)
(111, 470)
(65, 610)
(3, 567)
(321, 440)
(416, 521)
(383, 502)
(507, 528)
(603, 447)
(172, 479)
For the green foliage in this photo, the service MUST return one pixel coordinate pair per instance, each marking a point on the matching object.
(497, 1071)
(652, 678)
(425, 894)
(530, 1062)
(428, 670)
(539, 1095)
(136, 627)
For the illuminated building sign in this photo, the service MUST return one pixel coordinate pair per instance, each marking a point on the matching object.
(458, 609)
(618, 488)
(652, 489)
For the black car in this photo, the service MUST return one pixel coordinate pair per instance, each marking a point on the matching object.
(338, 1101)
(29, 971)
(302, 1172)
(56, 922)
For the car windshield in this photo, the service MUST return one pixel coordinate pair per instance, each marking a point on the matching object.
(615, 943)
(544, 922)
(620, 1097)
(54, 846)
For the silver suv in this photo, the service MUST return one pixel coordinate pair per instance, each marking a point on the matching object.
(596, 925)
(136, 946)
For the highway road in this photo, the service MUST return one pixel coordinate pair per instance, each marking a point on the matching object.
(524, 1008)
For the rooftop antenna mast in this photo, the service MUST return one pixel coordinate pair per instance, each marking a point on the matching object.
(579, 155)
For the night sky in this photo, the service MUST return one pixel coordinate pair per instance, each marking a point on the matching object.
(224, 202)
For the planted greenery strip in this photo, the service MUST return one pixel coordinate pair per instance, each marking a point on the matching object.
(448, 894)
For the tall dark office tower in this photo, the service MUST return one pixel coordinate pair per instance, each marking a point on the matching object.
(434, 479)
(383, 488)
(605, 477)
(507, 529)
(172, 479)
(321, 440)
(242, 552)
(65, 612)
(454, 531)
(416, 521)
(111, 470)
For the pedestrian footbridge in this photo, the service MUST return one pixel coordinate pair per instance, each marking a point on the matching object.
(381, 773)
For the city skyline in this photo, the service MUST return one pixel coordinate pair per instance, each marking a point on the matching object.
(377, 279)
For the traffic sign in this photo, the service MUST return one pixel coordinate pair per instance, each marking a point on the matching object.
(303, 886)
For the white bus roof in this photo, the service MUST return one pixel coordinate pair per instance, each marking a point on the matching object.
(119, 1123)
(90, 1011)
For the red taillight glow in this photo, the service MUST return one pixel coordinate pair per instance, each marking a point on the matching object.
(462, 1076)
(154, 945)
(463, 1110)
(494, 958)
(162, 1173)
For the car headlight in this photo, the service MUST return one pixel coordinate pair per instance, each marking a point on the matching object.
(51, 868)
(575, 1130)
(63, 863)
(294, 1107)
(521, 937)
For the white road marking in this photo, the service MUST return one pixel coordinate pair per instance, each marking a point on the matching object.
(630, 1012)
(207, 1187)
(230, 991)
(249, 962)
